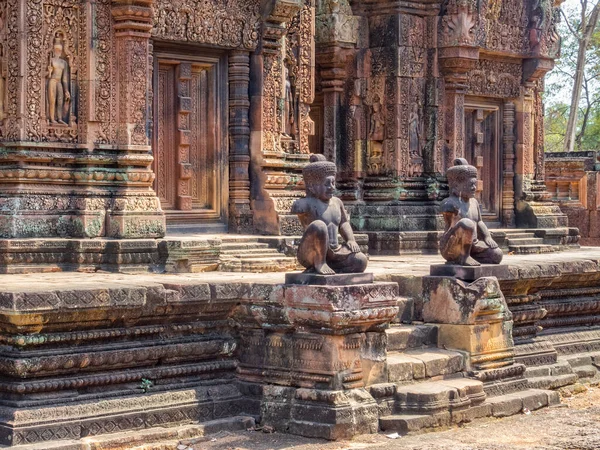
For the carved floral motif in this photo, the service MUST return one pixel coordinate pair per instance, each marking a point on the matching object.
(225, 23)
(495, 79)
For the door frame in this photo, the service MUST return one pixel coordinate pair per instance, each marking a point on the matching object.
(176, 53)
(473, 103)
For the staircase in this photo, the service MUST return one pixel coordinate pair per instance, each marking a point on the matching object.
(428, 387)
(247, 254)
(525, 242)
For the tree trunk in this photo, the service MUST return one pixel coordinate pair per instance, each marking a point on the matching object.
(577, 85)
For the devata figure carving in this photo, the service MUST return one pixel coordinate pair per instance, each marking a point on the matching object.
(59, 96)
(322, 215)
(460, 244)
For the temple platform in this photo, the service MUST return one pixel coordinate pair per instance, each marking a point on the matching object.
(86, 355)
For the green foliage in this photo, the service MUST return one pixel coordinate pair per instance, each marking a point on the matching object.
(559, 86)
(145, 385)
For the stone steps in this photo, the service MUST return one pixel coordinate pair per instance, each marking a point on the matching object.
(249, 264)
(551, 376)
(413, 364)
(515, 242)
(465, 408)
(584, 365)
(247, 254)
(402, 337)
(531, 249)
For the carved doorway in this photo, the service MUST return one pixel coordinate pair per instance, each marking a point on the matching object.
(483, 150)
(190, 150)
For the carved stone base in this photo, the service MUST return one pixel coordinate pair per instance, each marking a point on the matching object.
(488, 346)
(469, 273)
(314, 412)
(65, 419)
(344, 279)
(472, 317)
(55, 255)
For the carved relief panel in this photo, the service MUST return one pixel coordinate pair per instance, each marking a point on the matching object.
(504, 26)
(298, 79)
(3, 68)
(54, 31)
(492, 78)
(223, 23)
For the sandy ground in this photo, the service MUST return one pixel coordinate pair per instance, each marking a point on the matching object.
(573, 425)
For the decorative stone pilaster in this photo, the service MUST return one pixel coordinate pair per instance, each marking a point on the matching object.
(240, 215)
(508, 172)
(458, 54)
(336, 37)
(304, 359)
(132, 25)
(282, 70)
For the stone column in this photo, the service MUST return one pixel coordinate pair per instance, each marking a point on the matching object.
(240, 215)
(131, 216)
(457, 55)
(336, 37)
(508, 146)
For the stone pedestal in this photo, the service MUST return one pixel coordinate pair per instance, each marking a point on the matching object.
(308, 351)
(469, 273)
(472, 317)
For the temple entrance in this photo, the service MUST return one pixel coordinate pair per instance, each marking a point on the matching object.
(482, 149)
(190, 145)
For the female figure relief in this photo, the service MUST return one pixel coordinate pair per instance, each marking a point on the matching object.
(59, 96)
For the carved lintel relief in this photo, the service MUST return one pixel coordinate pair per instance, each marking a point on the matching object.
(493, 78)
(221, 23)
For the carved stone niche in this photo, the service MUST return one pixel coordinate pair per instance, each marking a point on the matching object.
(58, 67)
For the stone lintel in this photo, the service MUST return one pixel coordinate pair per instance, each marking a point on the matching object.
(339, 279)
(470, 273)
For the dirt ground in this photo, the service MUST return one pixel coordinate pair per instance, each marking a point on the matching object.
(573, 425)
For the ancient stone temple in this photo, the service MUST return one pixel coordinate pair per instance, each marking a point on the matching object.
(121, 117)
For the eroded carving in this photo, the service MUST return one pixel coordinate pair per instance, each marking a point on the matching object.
(460, 243)
(322, 215)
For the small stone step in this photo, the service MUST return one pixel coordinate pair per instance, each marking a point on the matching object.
(438, 361)
(586, 371)
(424, 363)
(531, 249)
(558, 368)
(501, 406)
(525, 241)
(402, 337)
(531, 399)
(581, 359)
(230, 246)
(253, 254)
(439, 396)
(552, 381)
(272, 264)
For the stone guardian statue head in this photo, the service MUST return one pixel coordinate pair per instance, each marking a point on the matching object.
(462, 179)
(319, 178)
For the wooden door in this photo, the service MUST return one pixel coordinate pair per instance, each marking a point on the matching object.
(189, 146)
(482, 149)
